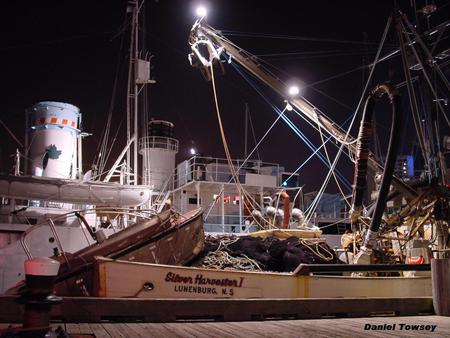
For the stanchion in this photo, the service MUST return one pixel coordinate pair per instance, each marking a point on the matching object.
(440, 274)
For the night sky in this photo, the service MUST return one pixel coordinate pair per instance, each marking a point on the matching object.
(68, 51)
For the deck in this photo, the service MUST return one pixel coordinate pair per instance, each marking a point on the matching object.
(343, 327)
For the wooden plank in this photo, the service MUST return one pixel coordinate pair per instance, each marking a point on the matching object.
(114, 330)
(245, 330)
(256, 329)
(207, 330)
(272, 329)
(178, 330)
(99, 331)
(139, 330)
(222, 327)
(72, 328)
(302, 326)
(155, 330)
(190, 331)
(85, 328)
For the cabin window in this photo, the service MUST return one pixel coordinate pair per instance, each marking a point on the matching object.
(237, 200)
(193, 200)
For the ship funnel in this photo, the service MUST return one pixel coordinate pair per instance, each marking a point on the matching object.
(52, 139)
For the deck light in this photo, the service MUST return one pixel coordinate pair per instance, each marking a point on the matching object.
(293, 91)
(192, 151)
(201, 11)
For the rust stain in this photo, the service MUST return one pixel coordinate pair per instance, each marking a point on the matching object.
(102, 279)
(305, 286)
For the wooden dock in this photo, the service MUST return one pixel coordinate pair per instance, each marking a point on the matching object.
(343, 327)
(96, 310)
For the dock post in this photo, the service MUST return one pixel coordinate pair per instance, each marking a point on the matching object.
(440, 275)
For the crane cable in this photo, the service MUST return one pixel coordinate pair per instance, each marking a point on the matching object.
(246, 159)
(334, 174)
(247, 198)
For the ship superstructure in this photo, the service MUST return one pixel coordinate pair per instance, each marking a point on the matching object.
(207, 182)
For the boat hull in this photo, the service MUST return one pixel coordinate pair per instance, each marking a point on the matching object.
(116, 278)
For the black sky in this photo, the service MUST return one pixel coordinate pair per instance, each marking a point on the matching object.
(67, 51)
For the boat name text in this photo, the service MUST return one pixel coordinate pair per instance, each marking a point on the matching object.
(200, 280)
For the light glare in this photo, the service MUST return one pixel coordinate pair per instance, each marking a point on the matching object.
(294, 90)
(192, 151)
(201, 11)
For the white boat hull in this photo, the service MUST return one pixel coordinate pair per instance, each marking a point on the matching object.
(129, 279)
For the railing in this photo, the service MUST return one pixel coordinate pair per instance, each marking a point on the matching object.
(212, 169)
(229, 224)
(159, 142)
(143, 214)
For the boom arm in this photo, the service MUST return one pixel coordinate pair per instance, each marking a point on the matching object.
(205, 35)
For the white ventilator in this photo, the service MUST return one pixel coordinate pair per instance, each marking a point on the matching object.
(52, 139)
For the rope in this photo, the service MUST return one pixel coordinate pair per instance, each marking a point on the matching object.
(242, 191)
(222, 260)
(314, 247)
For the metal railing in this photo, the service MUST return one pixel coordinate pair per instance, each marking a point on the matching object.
(199, 168)
(159, 142)
(229, 223)
(142, 214)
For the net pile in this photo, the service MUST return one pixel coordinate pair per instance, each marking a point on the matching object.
(263, 254)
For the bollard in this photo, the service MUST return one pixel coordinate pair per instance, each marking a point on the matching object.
(40, 276)
(440, 275)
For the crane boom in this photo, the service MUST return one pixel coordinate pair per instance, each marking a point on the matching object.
(203, 35)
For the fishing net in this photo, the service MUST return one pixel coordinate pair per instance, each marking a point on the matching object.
(248, 253)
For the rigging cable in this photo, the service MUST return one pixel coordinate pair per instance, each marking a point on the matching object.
(293, 126)
(253, 133)
(290, 37)
(412, 95)
(315, 203)
(312, 115)
(101, 148)
(425, 74)
(245, 160)
(334, 175)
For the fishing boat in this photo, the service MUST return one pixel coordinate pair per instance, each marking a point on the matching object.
(146, 268)
(374, 234)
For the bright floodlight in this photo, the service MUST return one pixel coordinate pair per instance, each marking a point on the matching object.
(192, 151)
(293, 90)
(201, 11)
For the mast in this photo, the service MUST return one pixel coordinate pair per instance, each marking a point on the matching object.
(133, 8)
(138, 78)
(135, 92)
